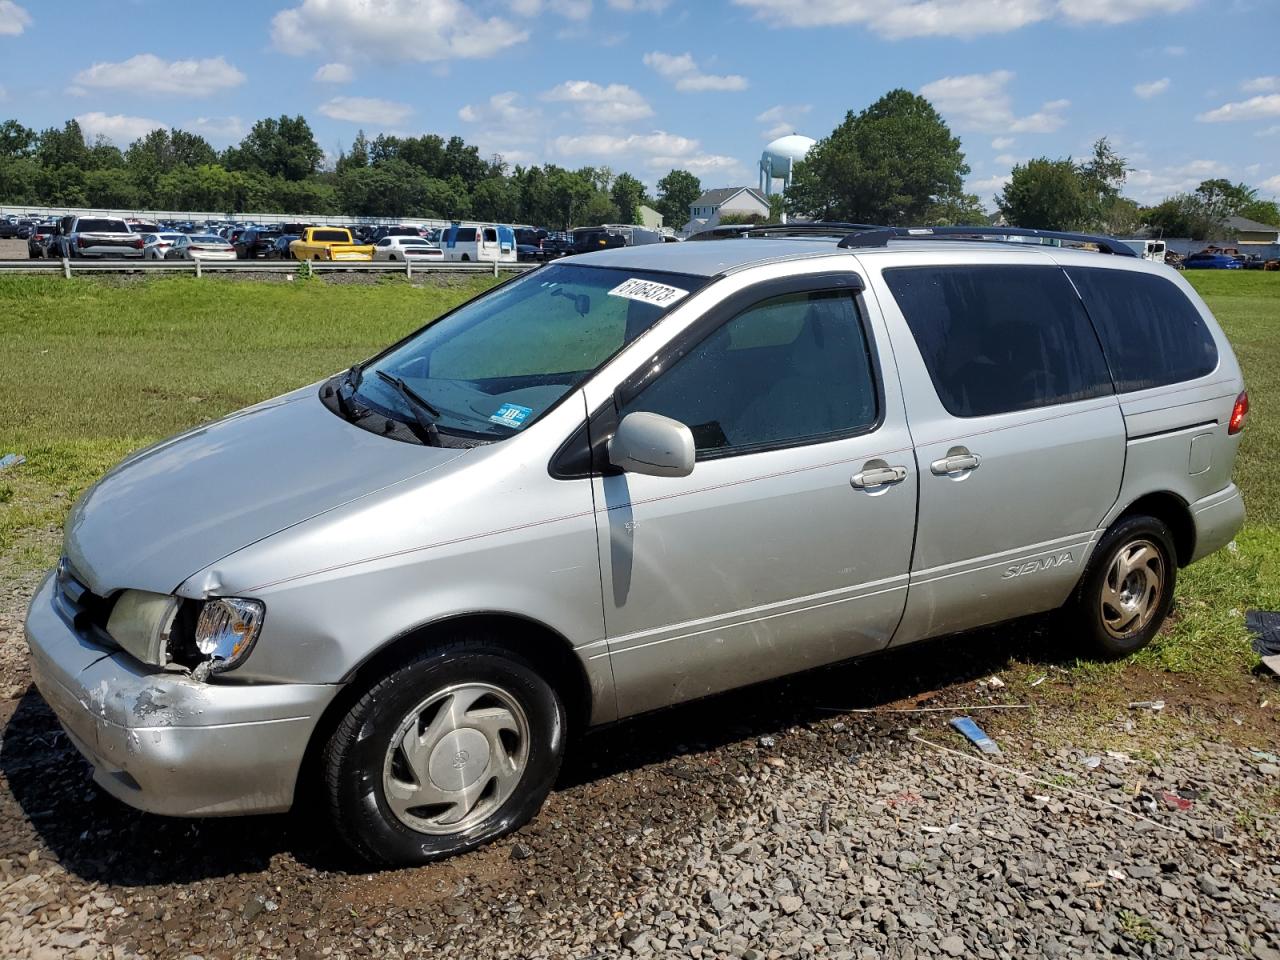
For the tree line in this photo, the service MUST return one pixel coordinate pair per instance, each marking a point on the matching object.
(279, 167)
(896, 162)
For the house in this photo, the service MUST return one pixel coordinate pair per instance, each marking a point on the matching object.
(710, 208)
(650, 218)
(1251, 231)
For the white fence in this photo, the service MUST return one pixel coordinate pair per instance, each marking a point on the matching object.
(82, 267)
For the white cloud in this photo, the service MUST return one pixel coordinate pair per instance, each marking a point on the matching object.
(988, 185)
(117, 127)
(684, 72)
(1002, 143)
(1271, 185)
(1268, 131)
(1174, 51)
(334, 73)
(1152, 88)
(953, 18)
(981, 101)
(640, 6)
(1261, 85)
(502, 108)
(572, 9)
(406, 30)
(13, 19)
(616, 103)
(658, 150)
(780, 120)
(147, 73)
(371, 110)
(221, 129)
(1148, 185)
(1255, 108)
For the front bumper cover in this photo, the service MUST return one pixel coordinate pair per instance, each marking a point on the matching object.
(162, 742)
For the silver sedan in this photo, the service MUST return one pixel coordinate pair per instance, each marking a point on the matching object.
(407, 248)
(200, 247)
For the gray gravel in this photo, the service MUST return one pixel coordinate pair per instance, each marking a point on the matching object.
(780, 830)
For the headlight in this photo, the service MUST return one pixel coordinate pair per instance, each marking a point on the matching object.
(141, 623)
(226, 631)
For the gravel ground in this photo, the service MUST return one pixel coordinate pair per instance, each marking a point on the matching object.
(760, 824)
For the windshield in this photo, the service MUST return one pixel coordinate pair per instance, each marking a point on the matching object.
(494, 366)
(102, 226)
(330, 236)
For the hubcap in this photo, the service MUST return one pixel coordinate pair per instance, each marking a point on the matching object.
(1133, 588)
(455, 758)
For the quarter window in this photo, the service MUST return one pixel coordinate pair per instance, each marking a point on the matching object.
(1153, 335)
(1000, 338)
(789, 370)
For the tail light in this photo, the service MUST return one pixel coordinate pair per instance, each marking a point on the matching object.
(1238, 413)
(137, 244)
(80, 241)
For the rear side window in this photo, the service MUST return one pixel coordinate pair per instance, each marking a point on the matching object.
(330, 236)
(1001, 338)
(102, 226)
(1153, 335)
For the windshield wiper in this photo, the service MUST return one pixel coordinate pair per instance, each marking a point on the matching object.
(350, 380)
(424, 414)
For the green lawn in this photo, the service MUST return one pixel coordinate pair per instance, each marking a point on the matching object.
(95, 368)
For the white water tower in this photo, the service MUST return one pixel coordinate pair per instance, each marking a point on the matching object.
(779, 160)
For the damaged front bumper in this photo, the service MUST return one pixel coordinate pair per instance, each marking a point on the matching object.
(165, 743)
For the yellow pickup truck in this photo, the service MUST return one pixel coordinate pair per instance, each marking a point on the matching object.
(329, 243)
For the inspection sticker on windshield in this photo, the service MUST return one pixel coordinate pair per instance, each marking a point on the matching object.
(646, 291)
(512, 415)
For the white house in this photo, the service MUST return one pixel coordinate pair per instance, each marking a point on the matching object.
(708, 209)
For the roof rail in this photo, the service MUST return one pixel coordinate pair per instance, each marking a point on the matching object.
(1105, 244)
(808, 228)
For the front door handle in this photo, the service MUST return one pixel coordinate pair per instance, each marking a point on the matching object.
(878, 476)
(957, 460)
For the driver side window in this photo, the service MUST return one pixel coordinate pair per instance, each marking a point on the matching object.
(792, 369)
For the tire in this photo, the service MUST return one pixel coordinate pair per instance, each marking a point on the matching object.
(371, 785)
(465, 258)
(1125, 595)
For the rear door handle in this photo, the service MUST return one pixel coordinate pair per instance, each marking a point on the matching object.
(955, 463)
(878, 477)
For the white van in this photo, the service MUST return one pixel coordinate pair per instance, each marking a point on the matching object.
(1153, 250)
(487, 242)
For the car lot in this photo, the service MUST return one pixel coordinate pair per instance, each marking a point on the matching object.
(689, 831)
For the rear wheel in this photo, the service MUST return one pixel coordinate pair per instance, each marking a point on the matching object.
(453, 748)
(1123, 600)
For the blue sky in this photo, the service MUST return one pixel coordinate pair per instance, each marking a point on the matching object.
(1186, 89)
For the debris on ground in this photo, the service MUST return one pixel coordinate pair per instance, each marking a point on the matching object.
(994, 682)
(1039, 680)
(1155, 706)
(975, 734)
(11, 460)
(1265, 627)
(768, 742)
(1093, 763)
(1175, 802)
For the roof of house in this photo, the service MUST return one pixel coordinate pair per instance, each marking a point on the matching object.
(714, 198)
(1250, 226)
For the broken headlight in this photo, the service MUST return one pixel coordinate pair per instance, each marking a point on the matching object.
(141, 623)
(226, 631)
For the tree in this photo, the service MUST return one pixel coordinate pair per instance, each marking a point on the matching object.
(496, 199)
(888, 164)
(1261, 211)
(16, 141)
(279, 148)
(63, 148)
(1046, 194)
(1182, 215)
(961, 210)
(628, 194)
(676, 193)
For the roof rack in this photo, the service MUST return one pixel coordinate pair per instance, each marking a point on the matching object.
(809, 228)
(1105, 244)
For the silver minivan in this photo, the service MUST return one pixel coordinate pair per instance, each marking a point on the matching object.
(623, 481)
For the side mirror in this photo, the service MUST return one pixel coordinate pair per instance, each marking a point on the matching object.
(654, 445)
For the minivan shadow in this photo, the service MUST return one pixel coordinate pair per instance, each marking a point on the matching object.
(100, 839)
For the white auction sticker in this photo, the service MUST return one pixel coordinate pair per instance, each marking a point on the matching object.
(646, 291)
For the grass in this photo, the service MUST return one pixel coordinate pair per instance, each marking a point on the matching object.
(96, 368)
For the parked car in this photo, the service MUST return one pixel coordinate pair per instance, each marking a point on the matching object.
(771, 454)
(255, 242)
(402, 231)
(406, 248)
(557, 244)
(591, 239)
(196, 246)
(41, 237)
(9, 228)
(529, 242)
(279, 249)
(1211, 261)
(329, 243)
(493, 242)
(156, 245)
(95, 237)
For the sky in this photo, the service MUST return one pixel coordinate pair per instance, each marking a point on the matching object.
(1185, 89)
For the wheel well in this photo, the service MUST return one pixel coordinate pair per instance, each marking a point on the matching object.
(549, 653)
(1173, 510)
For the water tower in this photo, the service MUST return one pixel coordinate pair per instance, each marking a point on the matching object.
(779, 159)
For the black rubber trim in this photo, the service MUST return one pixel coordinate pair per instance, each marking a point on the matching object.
(1183, 429)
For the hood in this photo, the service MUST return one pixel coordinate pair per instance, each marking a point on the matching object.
(176, 507)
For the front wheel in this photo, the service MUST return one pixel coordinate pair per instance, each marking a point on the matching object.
(455, 747)
(1125, 595)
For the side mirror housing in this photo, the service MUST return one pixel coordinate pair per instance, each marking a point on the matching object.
(651, 444)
